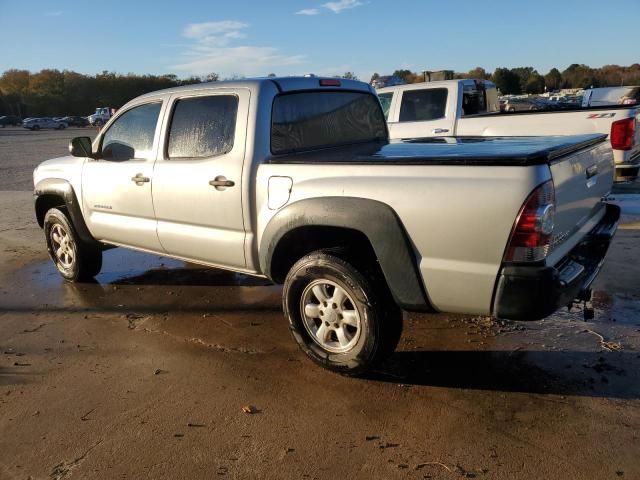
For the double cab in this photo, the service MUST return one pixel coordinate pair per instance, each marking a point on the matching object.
(296, 180)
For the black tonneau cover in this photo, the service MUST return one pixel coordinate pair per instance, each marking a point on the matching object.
(518, 151)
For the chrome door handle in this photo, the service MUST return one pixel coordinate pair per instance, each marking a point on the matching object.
(140, 179)
(221, 182)
(439, 130)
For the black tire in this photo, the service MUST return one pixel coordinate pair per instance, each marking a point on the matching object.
(98, 123)
(37, 127)
(379, 322)
(80, 262)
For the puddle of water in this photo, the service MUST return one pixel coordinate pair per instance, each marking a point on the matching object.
(137, 281)
(629, 204)
(608, 308)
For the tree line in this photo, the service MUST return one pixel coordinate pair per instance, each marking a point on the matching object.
(529, 80)
(52, 92)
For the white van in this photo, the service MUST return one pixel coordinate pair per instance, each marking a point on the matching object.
(599, 97)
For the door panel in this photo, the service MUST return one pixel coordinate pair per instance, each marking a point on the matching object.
(422, 113)
(117, 188)
(204, 144)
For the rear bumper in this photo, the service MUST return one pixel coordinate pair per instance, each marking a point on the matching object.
(535, 292)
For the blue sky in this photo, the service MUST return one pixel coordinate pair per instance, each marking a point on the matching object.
(257, 37)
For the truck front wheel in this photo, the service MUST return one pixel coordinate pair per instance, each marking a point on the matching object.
(75, 260)
(343, 318)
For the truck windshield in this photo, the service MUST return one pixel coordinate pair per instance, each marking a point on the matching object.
(309, 120)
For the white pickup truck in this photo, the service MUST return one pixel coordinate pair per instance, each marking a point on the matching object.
(295, 180)
(100, 116)
(463, 108)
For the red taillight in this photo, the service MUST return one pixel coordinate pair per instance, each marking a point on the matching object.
(531, 235)
(622, 133)
(329, 82)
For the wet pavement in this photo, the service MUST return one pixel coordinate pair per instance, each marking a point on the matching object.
(150, 371)
(145, 374)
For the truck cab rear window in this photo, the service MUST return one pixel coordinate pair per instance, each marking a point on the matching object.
(309, 120)
(421, 105)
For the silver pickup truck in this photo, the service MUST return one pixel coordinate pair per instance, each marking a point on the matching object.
(295, 180)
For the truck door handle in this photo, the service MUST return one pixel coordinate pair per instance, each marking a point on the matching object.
(139, 179)
(221, 182)
(439, 130)
(592, 171)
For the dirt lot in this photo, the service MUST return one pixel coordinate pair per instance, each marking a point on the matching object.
(22, 150)
(144, 374)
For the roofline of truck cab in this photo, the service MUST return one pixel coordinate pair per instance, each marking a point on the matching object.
(284, 84)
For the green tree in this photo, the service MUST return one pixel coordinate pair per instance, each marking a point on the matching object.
(350, 76)
(14, 87)
(407, 76)
(535, 84)
(478, 72)
(579, 76)
(524, 73)
(553, 79)
(506, 81)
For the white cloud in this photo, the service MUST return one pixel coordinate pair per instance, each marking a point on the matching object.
(211, 51)
(340, 5)
(308, 11)
(205, 29)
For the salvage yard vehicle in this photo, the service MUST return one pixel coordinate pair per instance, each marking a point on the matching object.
(100, 116)
(295, 180)
(470, 108)
(45, 122)
(518, 105)
(7, 120)
(75, 121)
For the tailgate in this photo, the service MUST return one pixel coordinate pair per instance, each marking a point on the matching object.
(635, 150)
(581, 180)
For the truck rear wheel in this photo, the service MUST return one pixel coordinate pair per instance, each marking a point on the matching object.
(76, 261)
(344, 320)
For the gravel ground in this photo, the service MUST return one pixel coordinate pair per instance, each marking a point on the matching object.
(145, 374)
(21, 151)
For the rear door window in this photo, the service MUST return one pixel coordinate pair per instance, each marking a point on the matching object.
(422, 105)
(202, 126)
(318, 119)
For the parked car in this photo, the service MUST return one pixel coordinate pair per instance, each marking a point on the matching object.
(7, 120)
(520, 104)
(45, 122)
(295, 180)
(75, 121)
(450, 108)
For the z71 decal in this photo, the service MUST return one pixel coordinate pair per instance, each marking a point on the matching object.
(601, 115)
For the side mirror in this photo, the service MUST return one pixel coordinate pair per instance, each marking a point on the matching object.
(80, 147)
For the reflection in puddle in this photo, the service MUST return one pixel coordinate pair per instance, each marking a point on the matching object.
(608, 308)
(134, 280)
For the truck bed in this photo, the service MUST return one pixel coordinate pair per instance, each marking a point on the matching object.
(507, 151)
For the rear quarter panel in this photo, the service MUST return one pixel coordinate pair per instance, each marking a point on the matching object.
(458, 218)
